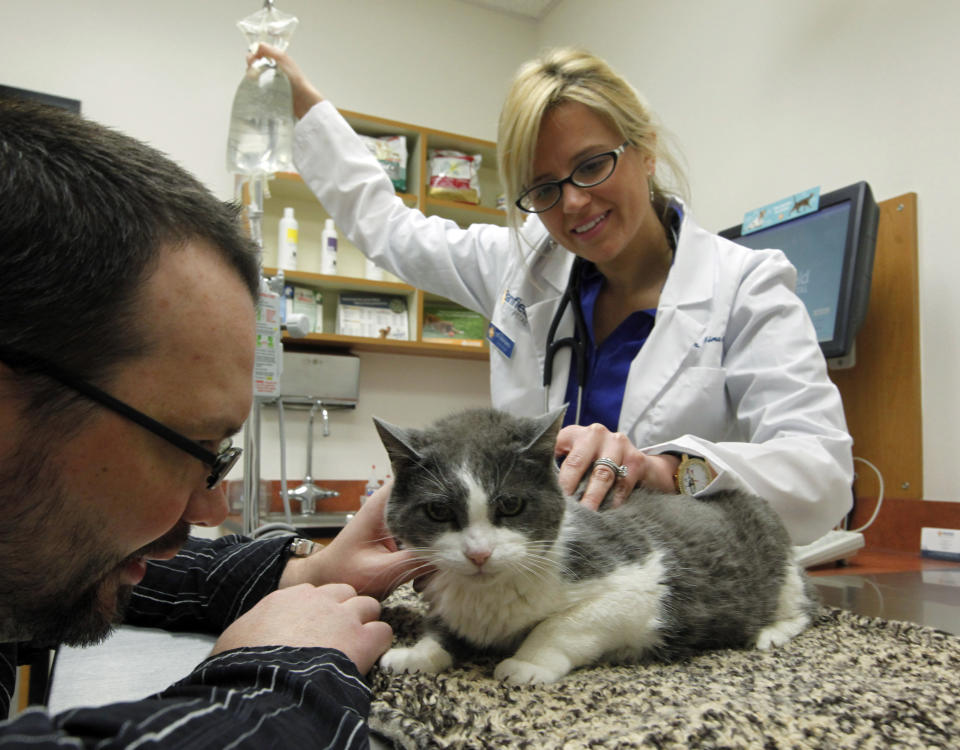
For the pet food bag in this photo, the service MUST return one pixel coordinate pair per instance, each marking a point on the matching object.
(454, 175)
(391, 152)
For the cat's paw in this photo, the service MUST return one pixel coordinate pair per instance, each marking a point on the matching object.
(426, 656)
(521, 672)
(781, 632)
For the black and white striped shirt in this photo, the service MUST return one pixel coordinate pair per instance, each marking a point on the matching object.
(245, 698)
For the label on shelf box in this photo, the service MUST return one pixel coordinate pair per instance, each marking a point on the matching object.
(370, 315)
(445, 323)
(307, 301)
(943, 544)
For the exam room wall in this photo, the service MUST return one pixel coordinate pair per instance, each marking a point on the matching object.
(166, 73)
(767, 98)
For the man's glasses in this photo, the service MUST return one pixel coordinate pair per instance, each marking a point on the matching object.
(220, 463)
(589, 173)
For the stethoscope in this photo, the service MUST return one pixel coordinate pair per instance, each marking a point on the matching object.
(577, 342)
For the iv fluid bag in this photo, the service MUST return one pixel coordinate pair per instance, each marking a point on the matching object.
(261, 121)
(261, 124)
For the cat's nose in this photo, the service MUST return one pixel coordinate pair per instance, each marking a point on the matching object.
(478, 557)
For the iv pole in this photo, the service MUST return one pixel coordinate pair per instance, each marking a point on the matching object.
(251, 435)
(274, 27)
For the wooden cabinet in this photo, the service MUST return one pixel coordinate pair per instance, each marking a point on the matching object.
(288, 190)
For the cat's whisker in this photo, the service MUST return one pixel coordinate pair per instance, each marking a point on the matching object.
(536, 564)
(545, 567)
(503, 476)
(533, 573)
(406, 576)
(426, 563)
(437, 480)
(384, 538)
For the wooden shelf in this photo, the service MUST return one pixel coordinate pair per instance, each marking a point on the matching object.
(315, 341)
(289, 189)
(352, 283)
(418, 347)
(465, 213)
(292, 187)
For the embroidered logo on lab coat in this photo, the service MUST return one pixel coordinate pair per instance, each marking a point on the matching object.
(517, 306)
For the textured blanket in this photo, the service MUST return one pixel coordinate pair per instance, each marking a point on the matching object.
(847, 682)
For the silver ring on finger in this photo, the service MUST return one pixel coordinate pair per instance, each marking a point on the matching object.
(618, 469)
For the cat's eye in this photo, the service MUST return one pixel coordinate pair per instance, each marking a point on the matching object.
(510, 506)
(438, 512)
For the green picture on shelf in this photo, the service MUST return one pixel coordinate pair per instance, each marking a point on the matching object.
(444, 323)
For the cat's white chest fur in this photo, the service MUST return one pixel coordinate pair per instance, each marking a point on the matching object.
(494, 613)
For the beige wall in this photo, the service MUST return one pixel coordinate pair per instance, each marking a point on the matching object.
(765, 97)
(769, 97)
(167, 73)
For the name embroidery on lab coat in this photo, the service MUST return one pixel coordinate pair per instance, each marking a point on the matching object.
(709, 340)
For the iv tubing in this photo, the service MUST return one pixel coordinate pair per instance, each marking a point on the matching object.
(283, 464)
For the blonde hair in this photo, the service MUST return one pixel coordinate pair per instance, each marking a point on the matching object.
(572, 75)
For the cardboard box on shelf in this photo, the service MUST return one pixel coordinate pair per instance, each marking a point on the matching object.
(448, 323)
(307, 301)
(371, 315)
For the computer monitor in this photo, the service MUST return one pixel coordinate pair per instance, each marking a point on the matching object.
(832, 249)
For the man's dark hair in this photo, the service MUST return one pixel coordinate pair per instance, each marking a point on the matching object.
(85, 213)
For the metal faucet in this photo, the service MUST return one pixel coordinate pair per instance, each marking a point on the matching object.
(308, 492)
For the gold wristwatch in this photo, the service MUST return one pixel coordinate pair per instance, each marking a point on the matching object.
(693, 474)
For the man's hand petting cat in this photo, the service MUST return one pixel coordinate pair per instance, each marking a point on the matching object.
(307, 616)
(582, 446)
(363, 554)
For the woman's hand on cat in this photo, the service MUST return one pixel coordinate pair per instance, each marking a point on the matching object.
(581, 446)
(363, 555)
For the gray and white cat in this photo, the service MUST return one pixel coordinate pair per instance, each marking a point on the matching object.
(524, 571)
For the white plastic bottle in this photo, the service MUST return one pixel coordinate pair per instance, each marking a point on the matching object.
(328, 249)
(287, 241)
(372, 271)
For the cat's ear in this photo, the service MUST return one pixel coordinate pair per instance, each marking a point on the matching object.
(397, 442)
(548, 425)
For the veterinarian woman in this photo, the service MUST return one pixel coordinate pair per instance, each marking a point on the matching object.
(691, 367)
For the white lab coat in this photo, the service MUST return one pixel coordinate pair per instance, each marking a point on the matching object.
(731, 371)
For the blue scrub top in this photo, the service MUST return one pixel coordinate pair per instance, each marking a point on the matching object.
(608, 365)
